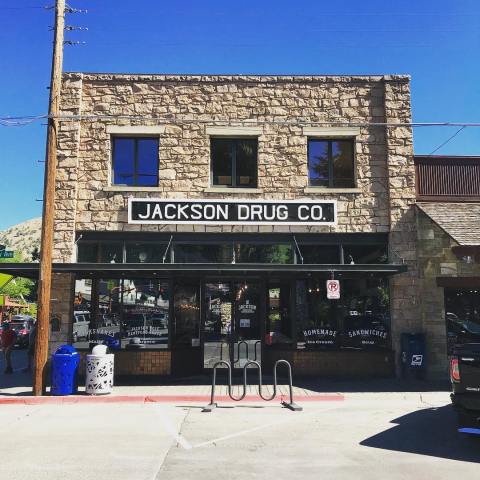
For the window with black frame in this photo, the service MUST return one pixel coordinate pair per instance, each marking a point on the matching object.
(331, 163)
(234, 162)
(359, 320)
(135, 161)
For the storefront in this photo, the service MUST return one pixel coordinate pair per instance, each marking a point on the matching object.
(234, 297)
(200, 218)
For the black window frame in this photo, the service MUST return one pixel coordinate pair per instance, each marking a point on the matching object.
(233, 152)
(330, 141)
(135, 138)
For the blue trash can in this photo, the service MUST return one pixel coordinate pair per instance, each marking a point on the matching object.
(65, 363)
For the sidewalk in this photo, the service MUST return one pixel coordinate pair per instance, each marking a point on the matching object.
(16, 389)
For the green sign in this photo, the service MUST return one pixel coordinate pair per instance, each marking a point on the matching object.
(6, 253)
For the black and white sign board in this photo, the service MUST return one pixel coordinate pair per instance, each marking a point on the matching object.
(232, 212)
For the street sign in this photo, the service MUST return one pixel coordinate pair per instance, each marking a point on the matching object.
(7, 253)
(333, 289)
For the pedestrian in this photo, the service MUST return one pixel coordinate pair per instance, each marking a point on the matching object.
(32, 335)
(7, 341)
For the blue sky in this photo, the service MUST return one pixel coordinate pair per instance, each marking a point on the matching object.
(437, 42)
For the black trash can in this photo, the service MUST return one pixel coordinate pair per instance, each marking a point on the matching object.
(413, 354)
(65, 363)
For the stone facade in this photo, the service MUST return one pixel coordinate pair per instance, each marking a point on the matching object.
(279, 107)
(436, 260)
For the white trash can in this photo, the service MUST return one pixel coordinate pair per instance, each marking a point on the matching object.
(99, 374)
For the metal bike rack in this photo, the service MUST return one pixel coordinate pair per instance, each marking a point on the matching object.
(290, 405)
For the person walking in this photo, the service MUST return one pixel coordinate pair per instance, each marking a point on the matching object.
(7, 341)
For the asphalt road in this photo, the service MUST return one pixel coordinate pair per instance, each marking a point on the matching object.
(367, 436)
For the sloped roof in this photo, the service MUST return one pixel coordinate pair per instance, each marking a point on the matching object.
(460, 220)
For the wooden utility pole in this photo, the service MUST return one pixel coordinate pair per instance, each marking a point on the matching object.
(46, 247)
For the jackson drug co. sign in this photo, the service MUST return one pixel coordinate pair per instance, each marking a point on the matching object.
(232, 212)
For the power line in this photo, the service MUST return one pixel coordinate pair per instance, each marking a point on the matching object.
(451, 138)
(25, 120)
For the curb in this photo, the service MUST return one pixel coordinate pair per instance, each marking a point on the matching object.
(82, 399)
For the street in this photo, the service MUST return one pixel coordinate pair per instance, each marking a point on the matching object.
(368, 435)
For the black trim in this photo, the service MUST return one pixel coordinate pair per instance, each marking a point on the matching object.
(97, 270)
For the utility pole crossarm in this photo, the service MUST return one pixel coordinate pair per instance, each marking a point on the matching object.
(45, 276)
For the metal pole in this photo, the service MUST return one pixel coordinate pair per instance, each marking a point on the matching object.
(45, 277)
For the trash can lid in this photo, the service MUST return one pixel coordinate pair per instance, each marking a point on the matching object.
(66, 350)
(99, 350)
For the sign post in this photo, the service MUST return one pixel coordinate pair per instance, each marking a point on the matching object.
(333, 289)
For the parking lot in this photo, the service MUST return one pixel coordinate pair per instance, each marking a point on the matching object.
(367, 435)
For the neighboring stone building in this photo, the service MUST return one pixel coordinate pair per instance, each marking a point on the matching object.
(448, 225)
(203, 215)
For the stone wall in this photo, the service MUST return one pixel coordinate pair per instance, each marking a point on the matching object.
(280, 106)
(436, 259)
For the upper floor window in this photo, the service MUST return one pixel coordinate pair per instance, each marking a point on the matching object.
(234, 162)
(331, 163)
(135, 161)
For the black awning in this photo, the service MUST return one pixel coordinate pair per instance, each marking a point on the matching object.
(105, 270)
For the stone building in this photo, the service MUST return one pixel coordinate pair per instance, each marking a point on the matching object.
(448, 249)
(201, 218)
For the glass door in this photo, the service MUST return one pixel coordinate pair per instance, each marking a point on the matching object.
(217, 328)
(232, 329)
(246, 335)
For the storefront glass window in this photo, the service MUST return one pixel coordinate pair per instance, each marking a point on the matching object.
(258, 253)
(82, 312)
(462, 312)
(320, 254)
(365, 254)
(111, 252)
(211, 253)
(87, 252)
(359, 320)
(148, 252)
(145, 314)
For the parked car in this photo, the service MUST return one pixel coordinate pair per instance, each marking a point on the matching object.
(22, 324)
(81, 324)
(465, 378)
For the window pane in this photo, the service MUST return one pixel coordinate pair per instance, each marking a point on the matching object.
(320, 254)
(188, 253)
(147, 161)
(342, 157)
(365, 254)
(87, 253)
(246, 163)
(275, 253)
(146, 252)
(123, 161)
(145, 314)
(318, 163)
(82, 310)
(278, 323)
(221, 158)
(462, 312)
(111, 252)
(187, 316)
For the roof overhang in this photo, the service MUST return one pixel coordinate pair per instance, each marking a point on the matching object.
(106, 270)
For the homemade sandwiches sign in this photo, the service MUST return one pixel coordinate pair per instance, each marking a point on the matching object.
(232, 212)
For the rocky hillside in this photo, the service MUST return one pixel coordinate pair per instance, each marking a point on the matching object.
(23, 238)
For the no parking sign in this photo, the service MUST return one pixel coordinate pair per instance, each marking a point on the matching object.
(333, 289)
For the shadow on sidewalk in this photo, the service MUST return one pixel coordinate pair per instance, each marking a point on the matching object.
(432, 432)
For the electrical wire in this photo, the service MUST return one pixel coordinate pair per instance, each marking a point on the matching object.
(20, 121)
(451, 138)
